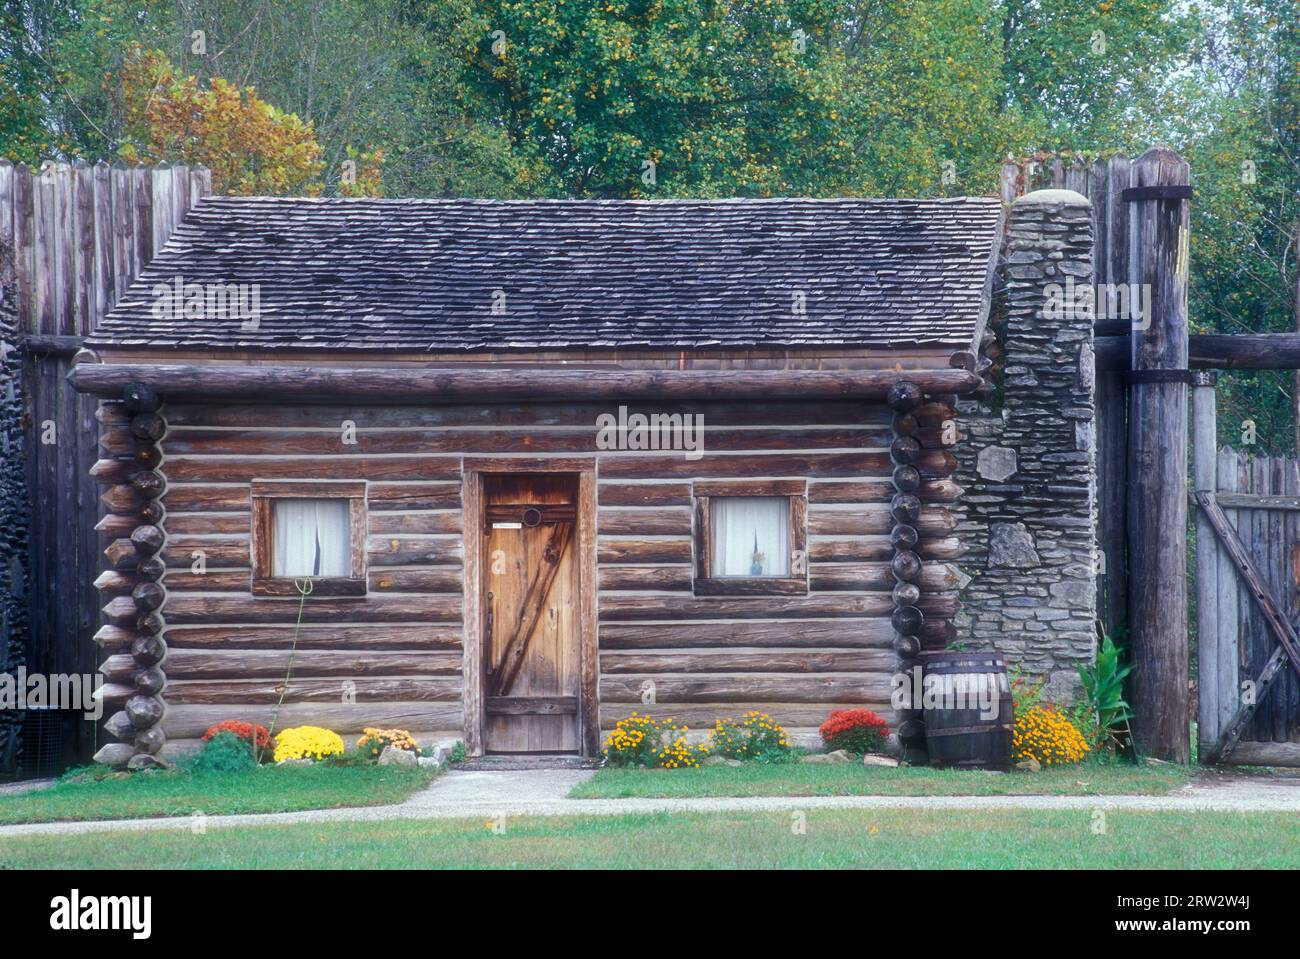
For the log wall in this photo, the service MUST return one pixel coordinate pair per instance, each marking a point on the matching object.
(394, 657)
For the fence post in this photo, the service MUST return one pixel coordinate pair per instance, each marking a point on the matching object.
(1157, 514)
(1205, 455)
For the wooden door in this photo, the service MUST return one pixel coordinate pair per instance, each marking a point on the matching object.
(531, 674)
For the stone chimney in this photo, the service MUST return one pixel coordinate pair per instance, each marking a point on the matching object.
(1028, 464)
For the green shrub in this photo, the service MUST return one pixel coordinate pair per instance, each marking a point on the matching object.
(226, 752)
(754, 736)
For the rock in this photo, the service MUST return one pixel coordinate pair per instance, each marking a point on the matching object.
(832, 758)
(996, 463)
(397, 757)
(871, 759)
(429, 762)
(295, 762)
(442, 751)
(1030, 765)
(714, 760)
(1011, 545)
(145, 761)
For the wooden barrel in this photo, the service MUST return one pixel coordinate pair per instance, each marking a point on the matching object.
(959, 733)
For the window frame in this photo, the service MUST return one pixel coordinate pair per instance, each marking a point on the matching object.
(706, 584)
(263, 494)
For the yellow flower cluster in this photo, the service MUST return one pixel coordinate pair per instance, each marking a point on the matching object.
(645, 741)
(755, 734)
(307, 742)
(1044, 734)
(377, 739)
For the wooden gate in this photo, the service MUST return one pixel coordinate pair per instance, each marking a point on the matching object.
(1247, 599)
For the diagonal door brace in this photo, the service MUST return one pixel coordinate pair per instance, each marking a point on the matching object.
(512, 657)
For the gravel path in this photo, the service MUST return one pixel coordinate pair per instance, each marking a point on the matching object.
(541, 792)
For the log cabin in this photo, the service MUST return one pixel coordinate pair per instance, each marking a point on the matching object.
(508, 471)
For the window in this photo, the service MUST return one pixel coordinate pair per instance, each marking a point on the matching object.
(309, 530)
(750, 538)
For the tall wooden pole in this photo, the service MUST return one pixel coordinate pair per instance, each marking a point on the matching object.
(1157, 493)
(1205, 456)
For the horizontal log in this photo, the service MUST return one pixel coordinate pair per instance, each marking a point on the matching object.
(613, 578)
(249, 663)
(672, 521)
(210, 581)
(644, 494)
(406, 496)
(113, 472)
(444, 579)
(123, 498)
(191, 722)
(1247, 753)
(871, 576)
(441, 385)
(118, 668)
(1214, 351)
(616, 551)
(343, 636)
(413, 551)
(442, 521)
(116, 441)
(875, 518)
(531, 412)
(243, 469)
(116, 524)
(115, 581)
(748, 661)
(181, 524)
(218, 553)
(190, 608)
(932, 463)
(701, 716)
(265, 691)
(193, 497)
(586, 439)
(857, 549)
(628, 608)
(748, 688)
(805, 634)
(113, 638)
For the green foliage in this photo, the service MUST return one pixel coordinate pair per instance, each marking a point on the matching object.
(754, 737)
(458, 753)
(1103, 689)
(225, 753)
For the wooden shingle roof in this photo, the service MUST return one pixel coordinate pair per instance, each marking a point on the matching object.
(425, 275)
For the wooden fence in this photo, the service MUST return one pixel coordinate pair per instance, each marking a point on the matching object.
(78, 236)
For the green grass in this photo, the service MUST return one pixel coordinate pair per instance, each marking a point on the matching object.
(886, 838)
(88, 795)
(853, 779)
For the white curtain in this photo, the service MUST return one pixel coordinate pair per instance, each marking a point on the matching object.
(751, 535)
(311, 538)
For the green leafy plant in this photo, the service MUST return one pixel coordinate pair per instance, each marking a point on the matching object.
(754, 737)
(1103, 690)
(226, 752)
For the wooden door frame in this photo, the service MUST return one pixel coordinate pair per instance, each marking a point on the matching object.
(473, 471)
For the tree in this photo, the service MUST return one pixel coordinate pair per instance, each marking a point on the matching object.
(250, 146)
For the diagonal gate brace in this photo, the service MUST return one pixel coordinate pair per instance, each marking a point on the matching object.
(1288, 641)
